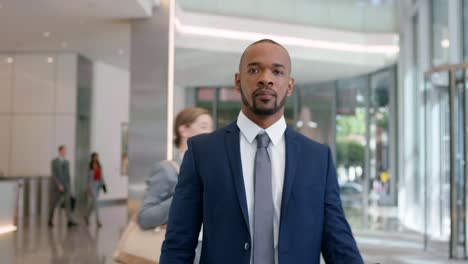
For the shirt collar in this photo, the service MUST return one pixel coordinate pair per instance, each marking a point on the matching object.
(250, 130)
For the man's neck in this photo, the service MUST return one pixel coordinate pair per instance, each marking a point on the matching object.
(263, 121)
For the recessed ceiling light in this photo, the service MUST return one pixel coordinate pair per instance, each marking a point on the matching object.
(121, 52)
(46, 34)
(50, 60)
(445, 43)
(9, 60)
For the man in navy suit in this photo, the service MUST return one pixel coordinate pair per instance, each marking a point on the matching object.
(264, 193)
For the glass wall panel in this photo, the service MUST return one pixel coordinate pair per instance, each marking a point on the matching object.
(229, 106)
(437, 134)
(316, 114)
(351, 142)
(383, 182)
(206, 98)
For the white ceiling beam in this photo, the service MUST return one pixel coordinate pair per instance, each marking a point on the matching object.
(232, 34)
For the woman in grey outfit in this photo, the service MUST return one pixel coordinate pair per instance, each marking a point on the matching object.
(163, 178)
(95, 184)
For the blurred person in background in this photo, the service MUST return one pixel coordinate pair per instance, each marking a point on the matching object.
(61, 186)
(162, 182)
(94, 185)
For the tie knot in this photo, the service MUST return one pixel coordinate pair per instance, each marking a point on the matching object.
(263, 140)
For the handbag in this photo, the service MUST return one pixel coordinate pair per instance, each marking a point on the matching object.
(137, 246)
(104, 188)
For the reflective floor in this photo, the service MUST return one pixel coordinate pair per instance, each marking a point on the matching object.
(401, 248)
(35, 242)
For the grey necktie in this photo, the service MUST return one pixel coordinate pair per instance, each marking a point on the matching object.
(263, 248)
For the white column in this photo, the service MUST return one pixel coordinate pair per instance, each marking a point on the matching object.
(150, 84)
(455, 30)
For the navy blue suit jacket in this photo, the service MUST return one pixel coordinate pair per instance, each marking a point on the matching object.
(210, 190)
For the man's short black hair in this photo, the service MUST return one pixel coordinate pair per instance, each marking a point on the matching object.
(61, 147)
(264, 41)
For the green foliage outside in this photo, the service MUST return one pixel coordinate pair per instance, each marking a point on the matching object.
(349, 152)
(351, 125)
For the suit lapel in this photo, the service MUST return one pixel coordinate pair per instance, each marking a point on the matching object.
(292, 156)
(232, 141)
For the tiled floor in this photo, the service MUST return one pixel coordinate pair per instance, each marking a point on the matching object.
(36, 243)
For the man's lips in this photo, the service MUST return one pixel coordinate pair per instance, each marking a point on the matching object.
(264, 95)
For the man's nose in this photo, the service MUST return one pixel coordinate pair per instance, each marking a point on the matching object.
(265, 79)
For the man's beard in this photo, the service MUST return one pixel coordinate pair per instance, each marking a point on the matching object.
(263, 112)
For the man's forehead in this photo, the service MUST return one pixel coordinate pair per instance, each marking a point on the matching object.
(276, 53)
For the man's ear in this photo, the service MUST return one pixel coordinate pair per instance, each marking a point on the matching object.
(290, 86)
(237, 81)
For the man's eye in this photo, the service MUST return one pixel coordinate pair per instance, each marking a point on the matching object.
(253, 70)
(276, 72)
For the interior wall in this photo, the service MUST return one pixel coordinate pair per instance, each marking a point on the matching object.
(37, 111)
(110, 104)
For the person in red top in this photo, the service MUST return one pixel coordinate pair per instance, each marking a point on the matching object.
(95, 184)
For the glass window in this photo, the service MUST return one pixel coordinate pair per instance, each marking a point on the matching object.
(229, 106)
(351, 129)
(316, 115)
(205, 98)
(440, 32)
(350, 116)
(381, 177)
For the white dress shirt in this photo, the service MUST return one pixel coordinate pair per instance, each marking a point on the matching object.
(277, 151)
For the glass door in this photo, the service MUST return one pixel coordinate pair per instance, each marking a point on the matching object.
(445, 137)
